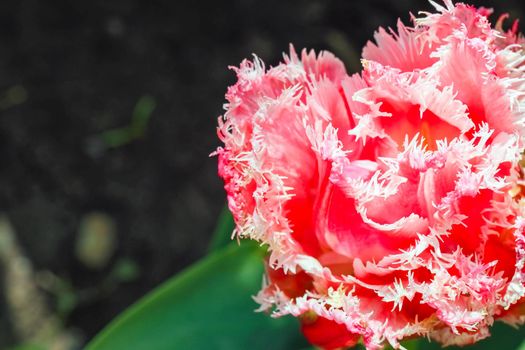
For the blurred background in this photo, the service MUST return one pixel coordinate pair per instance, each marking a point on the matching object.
(107, 118)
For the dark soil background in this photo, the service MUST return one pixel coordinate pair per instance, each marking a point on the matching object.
(71, 70)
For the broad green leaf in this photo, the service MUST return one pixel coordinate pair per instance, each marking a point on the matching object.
(522, 346)
(503, 337)
(208, 306)
(223, 230)
(415, 344)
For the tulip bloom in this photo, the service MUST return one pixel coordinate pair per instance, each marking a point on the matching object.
(390, 200)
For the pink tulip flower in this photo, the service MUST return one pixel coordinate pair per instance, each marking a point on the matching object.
(391, 201)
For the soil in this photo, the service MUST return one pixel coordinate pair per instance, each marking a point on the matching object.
(71, 70)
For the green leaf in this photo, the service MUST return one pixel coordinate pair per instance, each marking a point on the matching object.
(208, 306)
(522, 346)
(503, 337)
(222, 235)
(414, 344)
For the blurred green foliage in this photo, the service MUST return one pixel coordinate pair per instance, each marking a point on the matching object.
(139, 121)
(13, 96)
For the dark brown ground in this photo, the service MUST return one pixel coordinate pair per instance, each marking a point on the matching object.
(79, 67)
